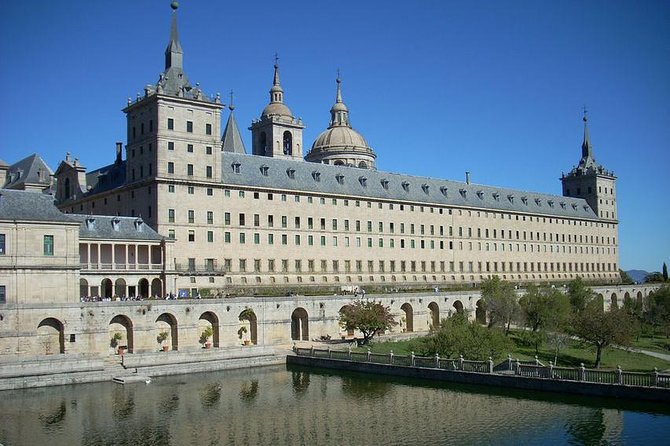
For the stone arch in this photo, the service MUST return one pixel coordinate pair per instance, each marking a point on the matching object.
(143, 288)
(600, 299)
(640, 300)
(124, 326)
(83, 288)
(157, 287)
(409, 317)
(250, 321)
(613, 301)
(626, 299)
(339, 163)
(120, 287)
(458, 305)
(51, 335)
(299, 325)
(287, 140)
(106, 288)
(434, 309)
(210, 319)
(363, 165)
(167, 322)
(263, 143)
(480, 312)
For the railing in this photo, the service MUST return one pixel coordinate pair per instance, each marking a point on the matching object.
(206, 269)
(528, 369)
(121, 266)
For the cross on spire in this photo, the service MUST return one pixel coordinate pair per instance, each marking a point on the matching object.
(276, 59)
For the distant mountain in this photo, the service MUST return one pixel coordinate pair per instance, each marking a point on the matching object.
(637, 275)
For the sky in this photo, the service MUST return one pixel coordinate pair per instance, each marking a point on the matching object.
(437, 88)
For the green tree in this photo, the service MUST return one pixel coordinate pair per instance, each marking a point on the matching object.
(658, 312)
(501, 302)
(368, 317)
(665, 272)
(544, 309)
(579, 295)
(625, 278)
(654, 277)
(457, 336)
(603, 328)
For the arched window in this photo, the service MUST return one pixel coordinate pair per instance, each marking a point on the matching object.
(262, 144)
(288, 143)
(363, 165)
(66, 191)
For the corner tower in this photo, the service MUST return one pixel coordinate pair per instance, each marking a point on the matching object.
(277, 133)
(340, 144)
(590, 181)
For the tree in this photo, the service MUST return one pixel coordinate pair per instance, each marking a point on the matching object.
(579, 295)
(654, 277)
(658, 312)
(457, 336)
(501, 302)
(368, 317)
(544, 309)
(665, 272)
(625, 278)
(602, 329)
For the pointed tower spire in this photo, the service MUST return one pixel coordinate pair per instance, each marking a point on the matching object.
(587, 150)
(339, 113)
(232, 139)
(276, 92)
(173, 53)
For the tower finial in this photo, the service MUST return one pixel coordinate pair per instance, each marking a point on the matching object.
(231, 106)
(338, 97)
(174, 5)
(275, 80)
(587, 151)
(173, 53)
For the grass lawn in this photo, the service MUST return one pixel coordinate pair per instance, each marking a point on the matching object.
(659, 343)
(570, 356)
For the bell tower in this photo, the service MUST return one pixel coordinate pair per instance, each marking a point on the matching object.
(591, 181)
(277, 133)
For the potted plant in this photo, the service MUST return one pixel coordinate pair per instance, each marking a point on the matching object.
(162, 336)
(204, 337)
(114, 341)
(241, 332)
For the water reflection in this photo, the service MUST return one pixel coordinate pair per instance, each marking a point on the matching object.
(306, 406)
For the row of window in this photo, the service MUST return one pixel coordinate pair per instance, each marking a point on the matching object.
(47, 245)
(392, 266)
(189, 126)
(209, 170)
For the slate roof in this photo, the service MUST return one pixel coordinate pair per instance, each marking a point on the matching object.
(106, 178)
(26, 172)
(232, 140)
(301, 176)
(29, 206)
(102, 227)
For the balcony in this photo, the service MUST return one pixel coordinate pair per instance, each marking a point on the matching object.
(199, 270)
(105, 267)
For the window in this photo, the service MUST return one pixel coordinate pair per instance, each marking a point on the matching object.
(210, 236)
(210, 217)
(241, 219)
(243, 238)
(189, 148)
(48, 245)
(210, 191)
(170, 167)
(189, 169)
(189, 126)
(191, 216)
(226, 237)
(208, 172)
(170, 145)
(208, 129)
(2, 244)
(170, 215)
(171, 234)
(190, 190)
(191, 236)
(170, 124)
(3, 295)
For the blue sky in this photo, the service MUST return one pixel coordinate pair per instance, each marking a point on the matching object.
(436, 87)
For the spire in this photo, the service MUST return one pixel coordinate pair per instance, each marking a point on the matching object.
(276, 92)
(339, 113)
(173, 53)
(587, 150)
(232, 139)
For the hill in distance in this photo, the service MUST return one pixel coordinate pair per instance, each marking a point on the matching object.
(637, 275)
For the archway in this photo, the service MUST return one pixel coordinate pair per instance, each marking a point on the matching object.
(122, 325)
(480, 312)
(143, 287)
(640, 301)
(288, 143)
(434, 315)
(409, 317)
(614, 303)
(250, 322)
(363, 165)
(263, 143)
(299, 325)
(106, 288)
(339, 163)
(156, 288)
(627, 301)
(166, 322)
(120, 287)
(458, 305)
(83, 288)
(600, 300)
(51, 336)
(210, 320)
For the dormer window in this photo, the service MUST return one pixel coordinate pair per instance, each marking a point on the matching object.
(425, 188)
(115, 223)
(524, 200)
(236, 167)
(496, 196)
(139, 224)
(586, 207)
(538, 201)
(464, 193)
(316, 175)
(550, 203)
(405, 186)
(264, 170)
(574, 206)
(510, 197)
(480, 194)
(290, 173)
(385, 183)
(562, 203)
(339, 178)
(363, 181)
(90, 223)
(444, 190)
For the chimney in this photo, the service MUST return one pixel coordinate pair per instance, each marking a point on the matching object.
(467, 177)
(119, 152)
